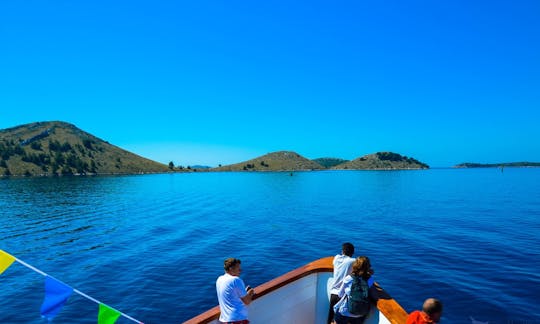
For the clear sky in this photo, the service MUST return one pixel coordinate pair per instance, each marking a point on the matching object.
(220, 82)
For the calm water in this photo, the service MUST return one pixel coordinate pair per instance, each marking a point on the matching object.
(152, 246)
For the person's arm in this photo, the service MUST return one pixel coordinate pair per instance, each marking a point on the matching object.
(248, 298)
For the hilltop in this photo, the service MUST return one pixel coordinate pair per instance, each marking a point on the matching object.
(276, 161)
(59, 148)
(382, 161)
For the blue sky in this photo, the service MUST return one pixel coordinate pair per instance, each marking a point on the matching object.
(219, 82)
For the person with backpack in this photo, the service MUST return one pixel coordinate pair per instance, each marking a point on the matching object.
(354, 303)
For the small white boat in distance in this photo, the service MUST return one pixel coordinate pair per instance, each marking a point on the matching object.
(302, 297)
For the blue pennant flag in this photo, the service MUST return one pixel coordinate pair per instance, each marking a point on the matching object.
(56, 295)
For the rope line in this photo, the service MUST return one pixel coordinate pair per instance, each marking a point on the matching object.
(75, 290)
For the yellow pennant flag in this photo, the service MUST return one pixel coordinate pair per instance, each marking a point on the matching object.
(5, 260)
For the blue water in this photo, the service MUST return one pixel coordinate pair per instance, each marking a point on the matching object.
(152, 246)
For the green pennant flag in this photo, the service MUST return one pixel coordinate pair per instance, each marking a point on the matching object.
(5, 260)
(107, 315)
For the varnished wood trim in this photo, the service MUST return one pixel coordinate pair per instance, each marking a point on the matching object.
(206, 317)
(392, 311)
(389, 307)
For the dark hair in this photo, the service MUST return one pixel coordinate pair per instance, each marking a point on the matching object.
(348, 249)
(361, 267)
(230, 263)
(432, 306)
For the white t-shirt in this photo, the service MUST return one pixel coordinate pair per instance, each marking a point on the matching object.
(229, 291)
(345, 290)
(342, 267)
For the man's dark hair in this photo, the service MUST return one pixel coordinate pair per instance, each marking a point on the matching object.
(348, 249)
(230, 263)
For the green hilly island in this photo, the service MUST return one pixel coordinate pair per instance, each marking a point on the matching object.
(59, 148)
(276, 161)
(382, 161)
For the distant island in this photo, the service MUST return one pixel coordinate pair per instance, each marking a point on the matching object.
(497, 165)
(276, 161)
(329, 162)
(292, 161)
(382, 161)
(58, 148)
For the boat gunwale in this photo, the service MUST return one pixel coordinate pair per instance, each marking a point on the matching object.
(386, 305)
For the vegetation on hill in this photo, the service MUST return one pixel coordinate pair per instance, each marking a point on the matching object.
(382, 161)
(276, 161)
(497, 165)
(329, 162)
(59, 148)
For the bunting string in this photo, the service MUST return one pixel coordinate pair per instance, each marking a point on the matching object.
(57, 293)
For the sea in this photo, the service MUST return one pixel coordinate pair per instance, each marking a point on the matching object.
(152, 246)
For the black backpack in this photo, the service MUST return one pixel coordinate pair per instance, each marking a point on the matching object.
(358, 300)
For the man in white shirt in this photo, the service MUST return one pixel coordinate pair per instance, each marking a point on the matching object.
(342, 267)
(233, 296)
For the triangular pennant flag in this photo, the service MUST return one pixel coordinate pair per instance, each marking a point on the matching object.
(5, 261)
(56, 295)
(107, 315)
